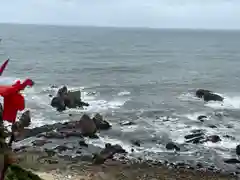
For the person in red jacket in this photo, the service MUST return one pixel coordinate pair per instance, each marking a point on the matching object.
(13, 101)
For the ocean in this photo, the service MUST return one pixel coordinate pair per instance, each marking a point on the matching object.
(147, 76)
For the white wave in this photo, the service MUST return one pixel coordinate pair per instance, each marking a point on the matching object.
(228, 103)
(124, 93)
(188, 97)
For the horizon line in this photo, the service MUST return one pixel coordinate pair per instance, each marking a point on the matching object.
(120, 27)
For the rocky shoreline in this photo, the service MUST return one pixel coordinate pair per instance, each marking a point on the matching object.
(63, 147)
(55, 167)
(44, 156)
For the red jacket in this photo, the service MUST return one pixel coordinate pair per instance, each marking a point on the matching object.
(13, 99)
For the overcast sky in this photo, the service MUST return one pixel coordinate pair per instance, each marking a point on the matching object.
(213, 14)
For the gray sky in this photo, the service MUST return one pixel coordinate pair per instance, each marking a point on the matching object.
(213, 14)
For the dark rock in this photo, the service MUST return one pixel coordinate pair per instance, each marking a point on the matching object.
(83, 143)
(172, 146)
(62, 148)
(208, 95)
(87, 126)
(100, 123)
(70, 133)
(196, 140)
(52, 135)
(229, 126)
(199, 165)
(212, 126)
(232, 161)
(136, 143)
(214, 138)
(50, 152)
(127, 123)
(202, 118)
(238, 150)
(196, 131)
(51, 161)
(107, 153)
(212, 97)
(194, 135)
(58, 103)
(20, 149)
(230, 137)
(40, 142)
(200, 92)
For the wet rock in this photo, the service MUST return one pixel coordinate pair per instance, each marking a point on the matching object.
(40, 142)
(230, 137)
(194, 135)
(212, 97)
(199, 165)
(52, 135)
(107, 153)
(232, 161)
(100, 123)
(20, 149)
(87, 126)
(229, 126)
(83, 143)
(212, 126)
(70, 133)
(201, 92)
(62, 148)
(202, 118)
(127, 123)
(38, 130)
(214, 138)
(196, 140)
(238, 150)
(58, 103)
(208, 95)
(136, 143)
(172, 146)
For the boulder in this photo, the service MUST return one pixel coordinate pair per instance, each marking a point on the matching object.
(232, 161)
(212, 97)
(202, 118)
(208, 95)
(214, 138)
(100, 123)
(87, 126)
(58, 103)
(65, 98)
(107, 153)
(238, 150)
(201, 92)
(172, 146)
